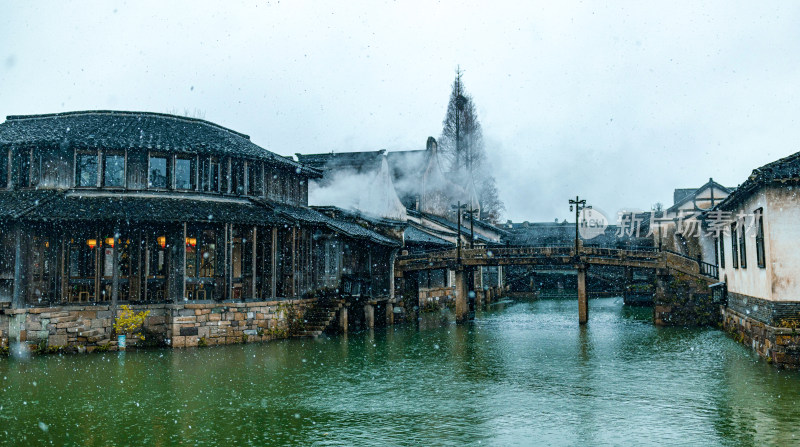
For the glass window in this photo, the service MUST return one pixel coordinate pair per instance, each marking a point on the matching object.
(237, 177)
(159, 173)
(255, 181)
(214, 182)
(742, 248)
(184, 173)
(209, 174)
(760, 258)
(158, 265)
(23, 164)
(734, 246)
(114, 170)
(86, 169)
(721, 252)
(36, 168)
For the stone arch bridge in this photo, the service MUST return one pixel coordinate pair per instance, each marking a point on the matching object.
(675, 273)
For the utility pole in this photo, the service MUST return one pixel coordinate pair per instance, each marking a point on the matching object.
(458, 241)
(583, 301)
(471, 212)
(458, 209)
(579, 206)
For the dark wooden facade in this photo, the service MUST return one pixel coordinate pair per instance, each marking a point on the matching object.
(141, 207)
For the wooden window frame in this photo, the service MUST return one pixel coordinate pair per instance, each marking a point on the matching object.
(734, 245)
(98, 158)
(167, 159)
(761, 258)
(742, 248)
(102, 168)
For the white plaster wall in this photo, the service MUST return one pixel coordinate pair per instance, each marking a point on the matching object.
(752, 280)
(782, 232)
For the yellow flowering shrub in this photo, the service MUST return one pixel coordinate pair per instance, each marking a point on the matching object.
(130, 322)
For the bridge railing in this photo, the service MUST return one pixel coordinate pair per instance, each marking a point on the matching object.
(711, 270)
(673, 259)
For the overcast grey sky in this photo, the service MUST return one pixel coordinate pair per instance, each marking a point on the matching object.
(620, 102)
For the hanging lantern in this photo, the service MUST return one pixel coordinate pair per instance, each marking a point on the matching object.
(162, 241)
(191, 241)
(110, 242)
(92, 243)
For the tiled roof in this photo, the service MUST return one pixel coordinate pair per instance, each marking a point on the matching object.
(454, 226)
(13, 204)
(136, 130)
(312, 217)
(360, 161)
(415, 236)
(784, 170)
(76, 206)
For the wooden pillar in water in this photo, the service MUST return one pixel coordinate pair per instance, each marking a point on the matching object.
(389, 313)
(462, 288)
(369, 315)
(343, 319)
(583, 301)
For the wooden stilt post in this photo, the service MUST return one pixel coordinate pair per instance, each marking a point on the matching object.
(583, 302)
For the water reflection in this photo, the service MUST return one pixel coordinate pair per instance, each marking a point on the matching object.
(523, 372)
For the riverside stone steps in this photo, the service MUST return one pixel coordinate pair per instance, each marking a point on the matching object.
(320, 317)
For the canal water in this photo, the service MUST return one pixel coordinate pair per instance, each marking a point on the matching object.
(523, 373)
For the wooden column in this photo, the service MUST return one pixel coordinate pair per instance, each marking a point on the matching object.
(274, 270)
(20, 268)
(389, 313)
(176, 275)
(115, 274)
(294, 262)
(228, 261)
(343, 319)
(392, 258)
(369, 315)
(253, 265)
(583, 301)
(462, 288)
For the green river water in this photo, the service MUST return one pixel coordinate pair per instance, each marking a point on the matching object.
(523, 373)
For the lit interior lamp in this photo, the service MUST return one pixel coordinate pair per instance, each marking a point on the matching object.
(91, 243)
(110, 242)
(191, 241)
(162, 241)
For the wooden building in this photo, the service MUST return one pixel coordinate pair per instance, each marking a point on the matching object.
(127, 207)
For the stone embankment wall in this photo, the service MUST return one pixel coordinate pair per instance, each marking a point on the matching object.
(681, 300)
(90, 328)
(771, 329)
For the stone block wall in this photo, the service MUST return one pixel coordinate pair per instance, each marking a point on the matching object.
(70, 328)
(771, 328)
(778, 345)
(681, 300)
(228, 323)
(73, 327)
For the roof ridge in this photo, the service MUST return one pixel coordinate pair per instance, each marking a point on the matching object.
(785, 159)
(124, 113)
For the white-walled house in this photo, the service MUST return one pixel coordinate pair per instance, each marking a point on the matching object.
(757, 241)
